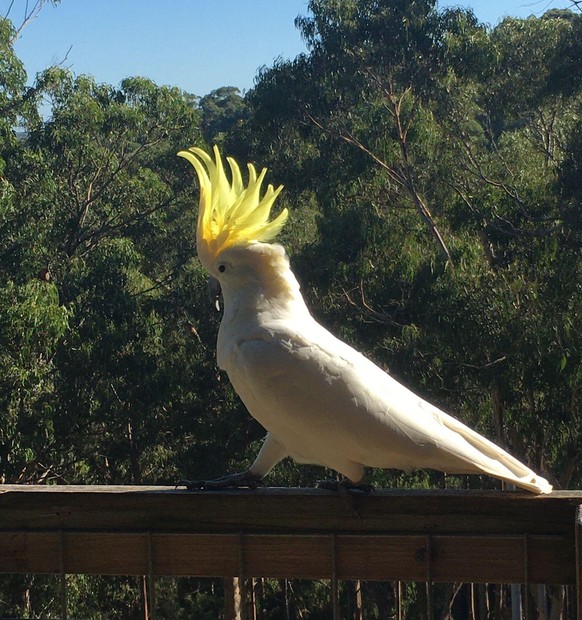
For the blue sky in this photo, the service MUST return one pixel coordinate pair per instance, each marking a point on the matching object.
(197, 45)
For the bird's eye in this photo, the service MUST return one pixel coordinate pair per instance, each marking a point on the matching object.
(222, 268)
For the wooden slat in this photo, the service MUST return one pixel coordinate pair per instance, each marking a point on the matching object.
(396, 557)
(287, 557)
(196, 554)
(290, 533)
(29, 552)
(380, 558)
(578, 538)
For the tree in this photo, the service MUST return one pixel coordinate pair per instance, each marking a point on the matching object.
(30, 13)
(221, 111)
(484, 124)
(12, 86)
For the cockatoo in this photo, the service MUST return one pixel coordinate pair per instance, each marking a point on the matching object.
(320, 400)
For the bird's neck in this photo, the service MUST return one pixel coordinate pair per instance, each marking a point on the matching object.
(259, 313)
(277, 295)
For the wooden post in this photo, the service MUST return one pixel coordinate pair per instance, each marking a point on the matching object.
(63, 584)
(148, 584)
(334, 579)
(579, 562)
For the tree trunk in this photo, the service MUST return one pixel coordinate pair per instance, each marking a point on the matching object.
(483, 601)
(358, 608)
(516, 611)
(143, 590)
(539, 594)
(233, 608)
(498, 601)
(497, 412)
(287, 601)
(252, 612)
(398, 598)
(385, 595)
(558, 600)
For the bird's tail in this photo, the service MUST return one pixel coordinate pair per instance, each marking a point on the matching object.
(496, 461)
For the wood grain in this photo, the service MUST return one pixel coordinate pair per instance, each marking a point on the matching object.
(498, 536)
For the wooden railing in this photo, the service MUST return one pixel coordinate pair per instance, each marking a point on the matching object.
(432, 536)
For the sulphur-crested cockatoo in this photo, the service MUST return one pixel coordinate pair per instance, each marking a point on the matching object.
(319, 399)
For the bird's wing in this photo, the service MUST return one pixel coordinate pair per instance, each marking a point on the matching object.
(330, 405)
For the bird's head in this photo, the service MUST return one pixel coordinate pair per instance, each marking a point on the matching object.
(231, 215)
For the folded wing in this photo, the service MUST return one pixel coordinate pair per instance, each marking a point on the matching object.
(328, 404)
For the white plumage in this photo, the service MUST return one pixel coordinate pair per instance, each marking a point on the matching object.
(323, 402)
(319, 399)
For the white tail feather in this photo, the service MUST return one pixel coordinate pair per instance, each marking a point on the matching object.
(497, 461)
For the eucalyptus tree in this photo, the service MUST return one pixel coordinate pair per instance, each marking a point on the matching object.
(99, 192)
(432, 149)
(106, 353)
(221, 112)
(434, 164)
(514, 139)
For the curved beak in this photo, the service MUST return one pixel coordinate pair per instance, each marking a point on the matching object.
(214, 292)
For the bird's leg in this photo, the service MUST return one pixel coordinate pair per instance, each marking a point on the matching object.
(269, 455)
(271, 452)
(243, 479)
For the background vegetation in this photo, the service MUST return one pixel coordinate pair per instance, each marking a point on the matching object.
(433, 170)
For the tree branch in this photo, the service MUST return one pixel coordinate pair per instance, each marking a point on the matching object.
(378, 317)
(30, 14)
(403, 177)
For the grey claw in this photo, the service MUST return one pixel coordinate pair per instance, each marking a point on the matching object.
(241, 480)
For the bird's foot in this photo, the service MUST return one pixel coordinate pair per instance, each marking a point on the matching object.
(345, 489)
(231, 481)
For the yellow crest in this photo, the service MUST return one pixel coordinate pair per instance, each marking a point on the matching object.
(230, 213)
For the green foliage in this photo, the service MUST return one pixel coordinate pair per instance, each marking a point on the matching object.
(474, 132)
(432, 170)
(221, 112)
(12, 82)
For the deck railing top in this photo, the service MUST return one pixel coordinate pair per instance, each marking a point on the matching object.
(441, 535)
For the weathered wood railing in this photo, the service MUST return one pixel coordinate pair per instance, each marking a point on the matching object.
(471, 536)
